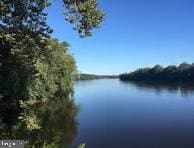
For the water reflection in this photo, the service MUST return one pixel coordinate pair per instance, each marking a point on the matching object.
(116, 114)
(48, 124)
(185, 89)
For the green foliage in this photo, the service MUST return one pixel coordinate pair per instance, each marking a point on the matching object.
(184, 72)
(31, 66)
(24, 17)
(85, 14)
(16, 65)
(23, 29)
(28, 17)
(52, 72)
(34, 68)
(82, 145)
(56, 72)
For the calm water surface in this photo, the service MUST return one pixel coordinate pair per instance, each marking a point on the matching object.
(116, 114)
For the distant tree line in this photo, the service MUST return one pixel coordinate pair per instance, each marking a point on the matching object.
(92, 76)
(183, 72)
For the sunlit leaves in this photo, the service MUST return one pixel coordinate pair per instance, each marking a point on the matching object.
(31, 65)
(56, 72)
(82, 145)
(84, 14)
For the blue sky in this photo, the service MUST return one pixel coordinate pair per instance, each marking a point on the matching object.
(136, 33)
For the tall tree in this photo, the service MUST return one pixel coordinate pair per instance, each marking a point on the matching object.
(24, 33)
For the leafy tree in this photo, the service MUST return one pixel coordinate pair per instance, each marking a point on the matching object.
(56, 72)
(85, 14)
(53, 73)
(157, 68)
(184, 66)
(28, 17)
(37, 68)
(24, 37)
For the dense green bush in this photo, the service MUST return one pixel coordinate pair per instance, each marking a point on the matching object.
(56, 72)
(52, 72)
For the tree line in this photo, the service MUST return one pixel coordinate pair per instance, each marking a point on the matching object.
(183, 72)
(92, 76)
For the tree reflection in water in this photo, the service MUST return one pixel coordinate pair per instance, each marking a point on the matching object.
(48, 124)
(185, 89)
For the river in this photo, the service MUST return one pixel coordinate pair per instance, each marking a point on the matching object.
(116, 114)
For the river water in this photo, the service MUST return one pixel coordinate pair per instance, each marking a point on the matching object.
(116, 114)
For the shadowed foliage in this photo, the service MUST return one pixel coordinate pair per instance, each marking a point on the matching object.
(31, 65)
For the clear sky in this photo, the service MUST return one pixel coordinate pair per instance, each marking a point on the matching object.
(136, 33)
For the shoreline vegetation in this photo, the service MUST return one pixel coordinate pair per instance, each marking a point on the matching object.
(93, 76)
(37, 72)
(176, 74)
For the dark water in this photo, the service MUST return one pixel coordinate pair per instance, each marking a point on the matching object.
(51, 124)
(111, 114)
(115, 114)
